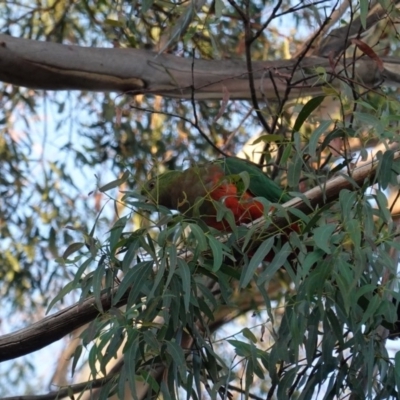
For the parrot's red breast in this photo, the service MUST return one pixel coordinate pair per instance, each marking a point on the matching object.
(196, 191)
(244, 208)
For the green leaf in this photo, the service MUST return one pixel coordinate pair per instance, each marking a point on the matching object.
(200, 237)
(286, 382)
(77, 354)
(337, 133)
(385, 169)
(313, 143)
(82, 268)
(310, 259)
(130, 255)
(286, 154)
(353, 228)
(116, 231)
(276, 263)
(216, 249)
(322, 237)
(123, 379)
(178, 358)
(219, 7)
(130, 359)
(344, 281)
(300, 215)
(312, 335)
(115, 183)
(159, 276)
(98, 283)
(371, 309)
(268, 139)
(397, 369)
(382, 201)
(364, 6)
(149, 379)
(242, 349)
(294, 172)
(259, 255)
(245, 177)
(184, 272)
(133, 280)
(248, 334)
(113, 346)
(369, 119)
(347, 200)
(65, 290)
(249, 377)
(72, 248)
(305, 112)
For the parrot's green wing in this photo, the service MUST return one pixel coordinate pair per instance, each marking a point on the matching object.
(260, 184)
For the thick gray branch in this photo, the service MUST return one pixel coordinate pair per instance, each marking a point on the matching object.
(52, 66)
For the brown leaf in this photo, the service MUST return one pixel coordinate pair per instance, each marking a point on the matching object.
(224, 103)
(118, 116)
(369, 52)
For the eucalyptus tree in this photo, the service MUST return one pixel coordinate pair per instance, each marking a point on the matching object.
(98, 95)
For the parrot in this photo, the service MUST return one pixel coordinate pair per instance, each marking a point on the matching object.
(195, 191)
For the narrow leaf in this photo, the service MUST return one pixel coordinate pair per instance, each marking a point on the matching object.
(77, 354)
(305, 112)
(216, 249)
(133, 280)
(259, 255)
(276, 263)
(178, 358)
(184, 272)
(322, 236)
(200, 237)
(72, 248)
(364, 5)
(248, 334)
(385, 170)
(115, 183)
(66, 289)
(397, 370)
(98, 283)
(224, 103)
(294, 172)
(313, 143)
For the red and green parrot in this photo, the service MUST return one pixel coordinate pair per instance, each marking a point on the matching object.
(195, 191)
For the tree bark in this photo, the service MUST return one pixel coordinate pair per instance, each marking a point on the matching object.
(53, 66)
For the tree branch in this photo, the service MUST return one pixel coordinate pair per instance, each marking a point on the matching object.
(53, 66)
(54, 327)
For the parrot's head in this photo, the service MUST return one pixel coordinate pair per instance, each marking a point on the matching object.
(158, 189)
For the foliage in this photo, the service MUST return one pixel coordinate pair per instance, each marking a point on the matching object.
(328, 294)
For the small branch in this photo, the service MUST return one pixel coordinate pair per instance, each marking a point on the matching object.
(193, 124)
